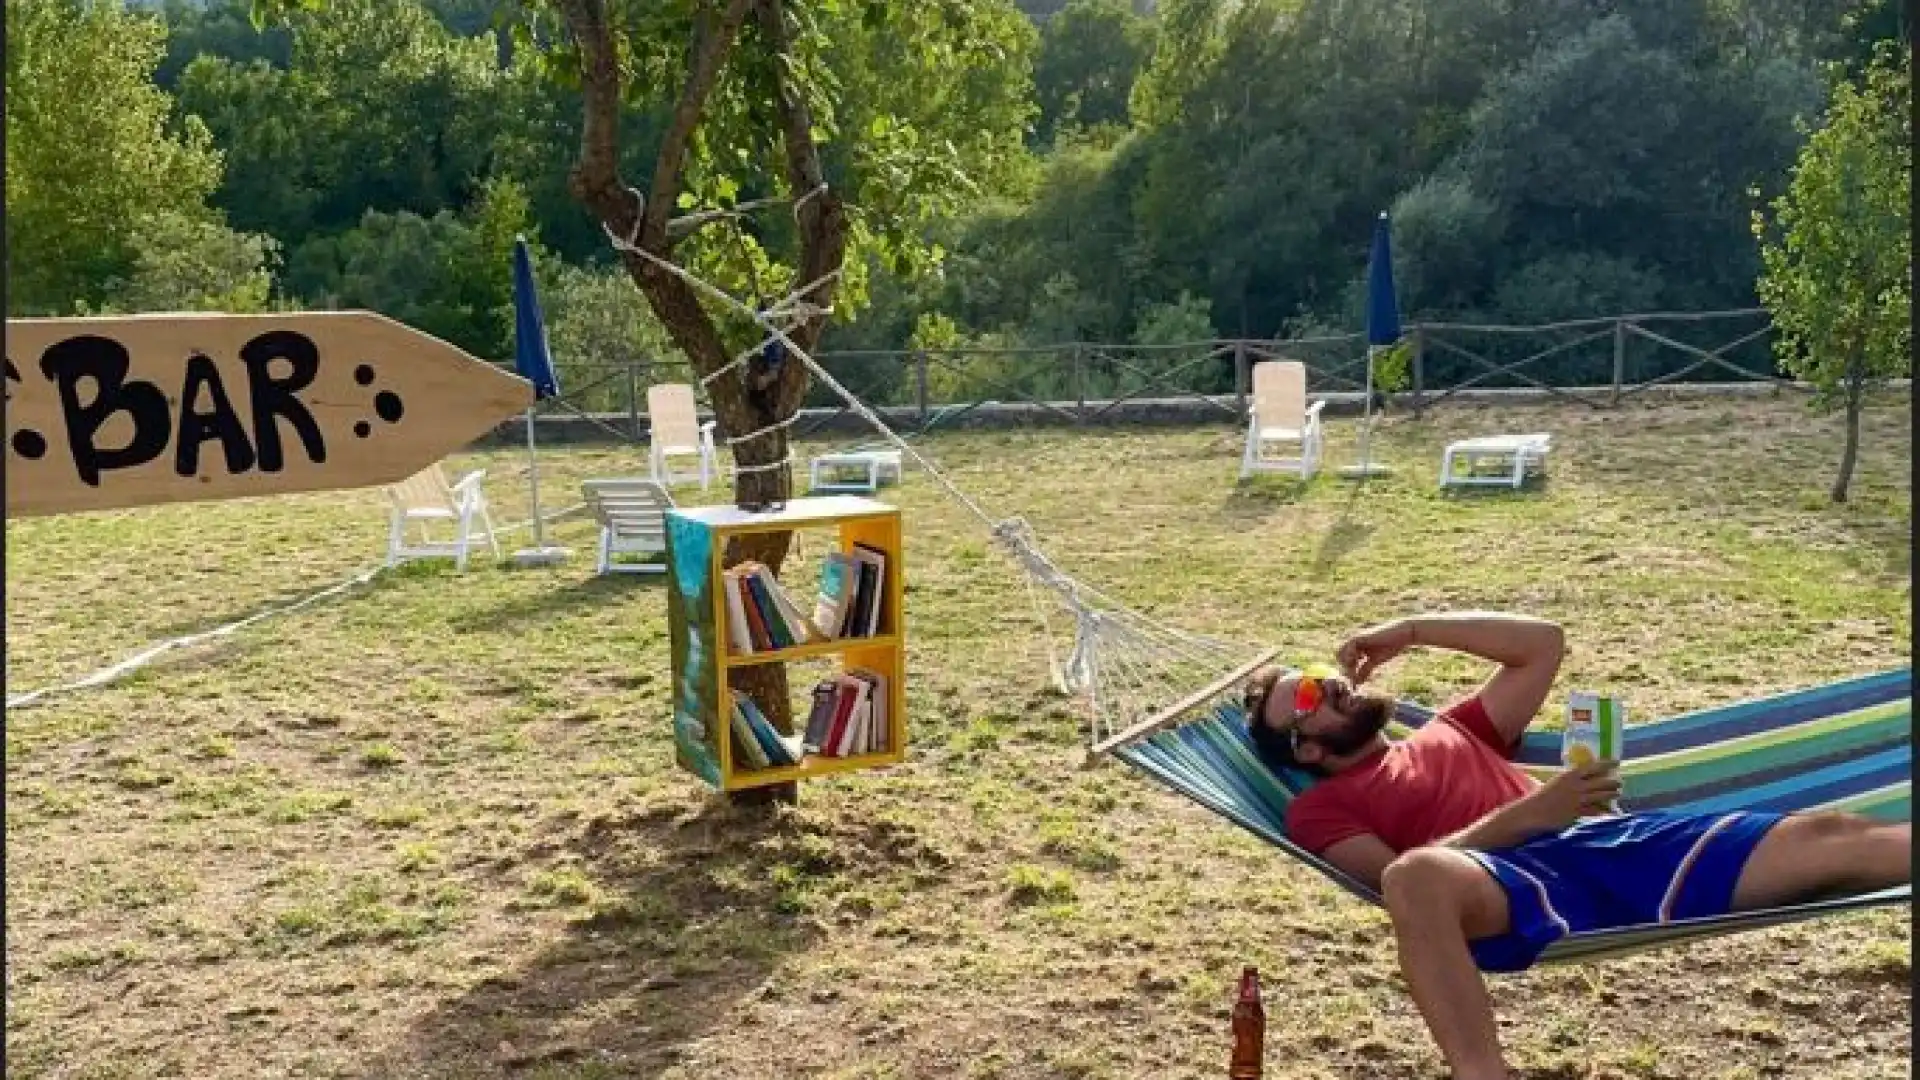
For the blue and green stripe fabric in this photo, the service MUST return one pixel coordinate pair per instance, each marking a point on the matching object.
(1844, 746)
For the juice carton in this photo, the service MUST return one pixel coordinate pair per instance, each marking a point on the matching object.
(1596, 726)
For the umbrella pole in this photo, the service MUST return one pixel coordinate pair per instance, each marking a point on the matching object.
(1366, 467)
(533, 479)
(539, 554)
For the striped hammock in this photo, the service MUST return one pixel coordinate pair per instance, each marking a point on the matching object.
(1844, 746)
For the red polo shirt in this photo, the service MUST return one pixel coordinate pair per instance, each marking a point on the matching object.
(1446, 776)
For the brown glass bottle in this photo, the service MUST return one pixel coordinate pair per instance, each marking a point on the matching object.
(1249, 1029)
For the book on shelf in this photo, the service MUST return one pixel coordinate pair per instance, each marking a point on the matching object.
(761, 617)
(851, 603)
(757, 742)
(836, 591)
(849, 716)
(870, 598)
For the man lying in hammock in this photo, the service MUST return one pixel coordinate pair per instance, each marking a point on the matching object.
(1481, 866)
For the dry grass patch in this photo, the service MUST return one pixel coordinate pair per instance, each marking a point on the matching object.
(434, 829)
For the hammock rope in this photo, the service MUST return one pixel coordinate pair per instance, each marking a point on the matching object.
(1847, 745)
(1124, 667)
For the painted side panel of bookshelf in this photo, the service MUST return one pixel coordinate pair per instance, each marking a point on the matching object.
(699, 730)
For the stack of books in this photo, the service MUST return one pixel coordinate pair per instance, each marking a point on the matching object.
(849, 715)
(762, 617)
(849, 718)
(853, 591)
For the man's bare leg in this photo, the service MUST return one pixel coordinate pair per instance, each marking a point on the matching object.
(1810, 855)
(1440, 899)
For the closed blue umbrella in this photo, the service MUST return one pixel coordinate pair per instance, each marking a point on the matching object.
(1383, 330)
(535, 364)
(530, 355)
(1383, 308)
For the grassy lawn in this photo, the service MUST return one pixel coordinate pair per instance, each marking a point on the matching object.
(434, 828)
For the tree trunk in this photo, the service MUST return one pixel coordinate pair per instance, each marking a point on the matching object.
(754, 397)
(1856, 392)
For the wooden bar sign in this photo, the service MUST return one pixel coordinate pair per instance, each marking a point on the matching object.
(128, 411)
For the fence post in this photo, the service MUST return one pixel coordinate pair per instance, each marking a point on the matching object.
(1419, 364)
(1080, 381)
(920, 384)
(1240, 377)
(633, 401)
(1619, 357)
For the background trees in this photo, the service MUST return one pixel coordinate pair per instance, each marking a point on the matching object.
(1025, 172)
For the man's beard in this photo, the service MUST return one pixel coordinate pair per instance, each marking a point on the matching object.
(1365, 718)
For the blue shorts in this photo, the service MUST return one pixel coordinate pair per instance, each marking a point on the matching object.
(1615, 871)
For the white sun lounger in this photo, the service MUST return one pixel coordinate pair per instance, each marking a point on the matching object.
(1511, 455)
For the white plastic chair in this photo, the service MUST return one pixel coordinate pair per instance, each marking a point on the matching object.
(425, 499)
(632, 512)
(1279, 413)
(1517, 453)
(677, 432)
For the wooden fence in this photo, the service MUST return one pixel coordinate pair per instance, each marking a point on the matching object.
(1598, 363)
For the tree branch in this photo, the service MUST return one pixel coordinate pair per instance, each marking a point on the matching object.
(817, 210)
(711, 46)
(596, 181)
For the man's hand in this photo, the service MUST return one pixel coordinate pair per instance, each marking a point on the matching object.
(1362, 654)
(1576, 793)
(1528, 650)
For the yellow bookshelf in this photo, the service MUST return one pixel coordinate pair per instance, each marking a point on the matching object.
(703, 662)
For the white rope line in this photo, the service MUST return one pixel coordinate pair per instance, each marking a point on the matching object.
(788, 305)
(1023, 549)
(114, 672)
(818, 189)
(825, 376)
(120, 670)
(735, 440)
(688, 222)
(552, 515)
(769, 467)
(744, 356)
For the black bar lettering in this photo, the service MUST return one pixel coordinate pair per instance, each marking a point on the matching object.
(105, 361)
(273, 399)
(220, 423)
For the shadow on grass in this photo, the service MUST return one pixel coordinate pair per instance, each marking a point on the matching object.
(559, 600)
(293, 594)
(693, 915)
(1880, 546)
(1345, 536)
(1255, 499)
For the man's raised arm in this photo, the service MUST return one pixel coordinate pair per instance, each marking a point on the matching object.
(1528, 650)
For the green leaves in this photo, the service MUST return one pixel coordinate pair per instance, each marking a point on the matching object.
(1837, 249)
(92, 152)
